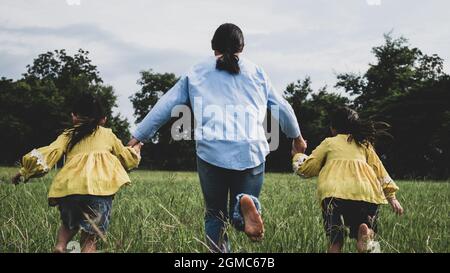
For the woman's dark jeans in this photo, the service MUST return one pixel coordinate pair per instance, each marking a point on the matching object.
(219, 184)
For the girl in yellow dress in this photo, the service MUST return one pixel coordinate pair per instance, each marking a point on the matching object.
(94, 170)
(352, 180)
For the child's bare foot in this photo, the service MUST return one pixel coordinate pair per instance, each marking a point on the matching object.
(254, 226)
(64, 236)
(89, 243)
(59, 249)
(365, 235)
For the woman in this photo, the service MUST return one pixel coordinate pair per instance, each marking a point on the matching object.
(231, 160)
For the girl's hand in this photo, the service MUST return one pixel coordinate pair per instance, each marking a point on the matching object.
(137, 147)
(395, 205)
(16, 179)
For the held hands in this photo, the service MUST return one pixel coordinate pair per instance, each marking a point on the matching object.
(133, 142)
(136, 145)
(396, 206)
(298, 146)
(297, 162)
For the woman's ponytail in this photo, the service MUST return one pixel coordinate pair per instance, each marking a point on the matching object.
(228, 40)
(228, 62)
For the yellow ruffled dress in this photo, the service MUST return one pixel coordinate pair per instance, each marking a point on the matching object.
(95, 166)
(346, 170)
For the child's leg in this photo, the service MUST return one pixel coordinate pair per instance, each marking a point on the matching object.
(88, 242)
(365, 234)
(96, 211)
(364, 226)
(332, 209)
(335, 247)
(64, 236)
(337, 238)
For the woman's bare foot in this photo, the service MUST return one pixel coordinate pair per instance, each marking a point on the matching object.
(365, 235)
(254, 226)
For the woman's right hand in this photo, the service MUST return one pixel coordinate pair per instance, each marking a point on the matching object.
(133, 142)
(298, 146)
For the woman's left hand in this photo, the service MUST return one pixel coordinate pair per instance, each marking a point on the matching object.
(298, 146)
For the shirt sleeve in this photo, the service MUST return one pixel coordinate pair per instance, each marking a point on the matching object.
(387, 184)
(161, 112)
(309, 166)
(127, 156)
(281, 110)
(39, 161)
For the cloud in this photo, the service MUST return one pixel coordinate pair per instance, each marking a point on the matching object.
(119, 62)
(289, 38)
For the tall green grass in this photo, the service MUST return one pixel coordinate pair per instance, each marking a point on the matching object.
(163, 212)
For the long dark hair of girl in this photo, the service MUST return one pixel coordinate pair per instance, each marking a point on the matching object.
(364, 132)
(90, 112)
(228, 40)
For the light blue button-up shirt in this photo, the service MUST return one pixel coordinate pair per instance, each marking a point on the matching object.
(224, 136)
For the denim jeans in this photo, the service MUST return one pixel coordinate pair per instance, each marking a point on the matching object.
(222, 190)
(75, 208)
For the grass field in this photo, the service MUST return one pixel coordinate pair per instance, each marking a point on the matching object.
(163, 212)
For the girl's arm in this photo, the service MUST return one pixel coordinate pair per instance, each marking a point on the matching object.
(388, 185)
(309, 166)
(39, 161)
(129, 157)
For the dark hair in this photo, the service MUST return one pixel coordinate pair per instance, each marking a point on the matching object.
(346, 121)
(90, 111)
(228, 40)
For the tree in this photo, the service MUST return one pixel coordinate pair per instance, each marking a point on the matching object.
(409, 90)
(420, 126)
(36, 108)
(72, 75)
(27, 116)
(398, 70)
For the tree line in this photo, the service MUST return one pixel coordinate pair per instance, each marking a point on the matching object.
(404, 87)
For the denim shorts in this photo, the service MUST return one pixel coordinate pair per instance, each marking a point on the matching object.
(90, 213)
(340, 213)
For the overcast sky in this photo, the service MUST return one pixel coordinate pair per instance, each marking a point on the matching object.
(289, 39)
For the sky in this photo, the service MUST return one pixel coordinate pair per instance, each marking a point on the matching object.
(289, 39)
